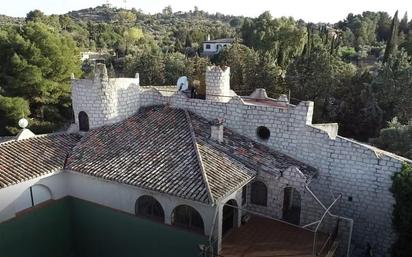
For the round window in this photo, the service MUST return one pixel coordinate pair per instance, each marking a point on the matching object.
(263, 133)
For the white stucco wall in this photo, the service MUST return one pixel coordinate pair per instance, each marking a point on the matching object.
(114, 195)
(123, 197)
(214, 47)
(16, 198)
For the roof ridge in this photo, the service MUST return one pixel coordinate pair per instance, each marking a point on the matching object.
(67, 160)
(198, 155)
(14, 140)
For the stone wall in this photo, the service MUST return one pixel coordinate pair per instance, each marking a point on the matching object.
(276, 184)
(362, 174)
(105, 100)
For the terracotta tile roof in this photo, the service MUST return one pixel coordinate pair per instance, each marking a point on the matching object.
(6, 138)
(33, 157)
(159, 148)
(152, 149)
(170, 151)
(224, 173)
(251, 154)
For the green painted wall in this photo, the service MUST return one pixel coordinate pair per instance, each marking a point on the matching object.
(75, 228)
(43, 232)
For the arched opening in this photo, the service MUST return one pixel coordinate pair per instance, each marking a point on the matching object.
(83, 121)
(40, 194)
(259, 193)
(32, 196)
(188, 218)
(230, 216)
(147, 206)
(291, 205)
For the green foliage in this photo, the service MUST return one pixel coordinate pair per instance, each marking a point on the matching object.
(268, 75)
(393, 87)
(126, 17)
(316, 77)
(150, 66)
(403, 25)
(238, 58)
(175, 67)
(347, 53)
(282, 37)
(196, 70)
(356, 109)
(236, 22)
(392, 44)
(402, 213)
(397, 138)
(37, 63)
(407, 44)
(12, 109)
(131, 36)
(35, 15)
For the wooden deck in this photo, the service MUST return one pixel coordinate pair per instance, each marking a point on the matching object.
(263, 237)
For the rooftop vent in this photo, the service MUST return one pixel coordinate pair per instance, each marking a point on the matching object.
(259, 93)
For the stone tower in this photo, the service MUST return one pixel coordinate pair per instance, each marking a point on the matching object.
(103, 100)
(218, 84)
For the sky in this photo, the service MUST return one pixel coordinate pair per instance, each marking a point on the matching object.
(308, 10)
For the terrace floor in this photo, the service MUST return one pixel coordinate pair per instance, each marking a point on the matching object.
(263, 237)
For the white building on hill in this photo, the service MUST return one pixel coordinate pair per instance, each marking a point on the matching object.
(212, 47)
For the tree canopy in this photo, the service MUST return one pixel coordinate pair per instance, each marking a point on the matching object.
(36, 66)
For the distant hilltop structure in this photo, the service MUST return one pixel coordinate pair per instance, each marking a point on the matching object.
(213, 47)
(95, 57)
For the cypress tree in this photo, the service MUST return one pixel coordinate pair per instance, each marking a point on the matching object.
(392, 44)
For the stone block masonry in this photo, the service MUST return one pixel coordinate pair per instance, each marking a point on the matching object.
(361, 173)
(105, 100)
(218, 84)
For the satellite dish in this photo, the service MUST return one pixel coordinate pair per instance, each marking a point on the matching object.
(182, 84)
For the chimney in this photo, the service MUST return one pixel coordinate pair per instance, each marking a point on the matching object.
(216, 130)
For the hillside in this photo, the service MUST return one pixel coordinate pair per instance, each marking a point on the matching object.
(5, 20)
(165, 26)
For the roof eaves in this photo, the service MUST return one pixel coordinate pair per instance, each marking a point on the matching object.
(241, 185)
(199, 157)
